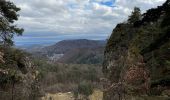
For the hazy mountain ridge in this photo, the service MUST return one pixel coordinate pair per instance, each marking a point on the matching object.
(73, 51)
(67, 45)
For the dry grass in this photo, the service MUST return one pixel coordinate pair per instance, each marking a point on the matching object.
(59, 96)
(97, 95)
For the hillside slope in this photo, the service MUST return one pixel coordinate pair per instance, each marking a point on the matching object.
(137, 56)
(79, 51)
(67, 45)
(83, 56)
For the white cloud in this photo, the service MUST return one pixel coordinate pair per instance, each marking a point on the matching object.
(77, 16)
(143, 4)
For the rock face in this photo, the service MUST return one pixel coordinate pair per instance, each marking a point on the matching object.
(137, 56)
(18, 77)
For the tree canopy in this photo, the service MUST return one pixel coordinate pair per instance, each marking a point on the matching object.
(8, 15)
(135, 16)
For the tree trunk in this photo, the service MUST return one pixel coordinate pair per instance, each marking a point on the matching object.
(13, 86)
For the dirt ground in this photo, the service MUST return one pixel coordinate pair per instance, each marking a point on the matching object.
(97, 95)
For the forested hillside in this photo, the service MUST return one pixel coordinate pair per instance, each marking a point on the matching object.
(67, 45)
(78, 51)
(137, 56)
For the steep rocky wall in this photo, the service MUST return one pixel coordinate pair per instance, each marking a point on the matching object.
(137, 59)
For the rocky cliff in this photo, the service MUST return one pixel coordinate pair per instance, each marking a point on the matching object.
(137, 57)
(18, 76)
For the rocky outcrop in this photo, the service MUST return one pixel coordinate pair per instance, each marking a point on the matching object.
(18, 76)
(137, 57)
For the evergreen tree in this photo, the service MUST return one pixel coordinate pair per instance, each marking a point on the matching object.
(135, 16)
(8, 15)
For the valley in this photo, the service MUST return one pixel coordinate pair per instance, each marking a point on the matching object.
(56, 63)
(78, 67)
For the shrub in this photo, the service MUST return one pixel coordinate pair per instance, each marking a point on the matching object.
(85, 88)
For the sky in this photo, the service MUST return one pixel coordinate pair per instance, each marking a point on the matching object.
(49, 21)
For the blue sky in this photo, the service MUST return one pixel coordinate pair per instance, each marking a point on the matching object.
(50, 21)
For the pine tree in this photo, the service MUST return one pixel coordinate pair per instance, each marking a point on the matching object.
(135, 16)
(8, 15)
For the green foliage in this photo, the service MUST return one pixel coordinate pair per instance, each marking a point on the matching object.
(56, 73)
(65, 73)
(135, 16)
(8, 15)
(14, 65)
(168, 63)
(150, 40)
(85, 88)
(164, 81)
(166, 20)
(17, 75)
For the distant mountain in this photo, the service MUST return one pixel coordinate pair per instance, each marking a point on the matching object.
(66, 45)
(31, 48)
(73, 51)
